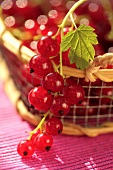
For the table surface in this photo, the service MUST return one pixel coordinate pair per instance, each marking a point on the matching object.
(67, 153)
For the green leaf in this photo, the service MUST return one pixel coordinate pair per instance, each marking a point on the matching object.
(67, 41)
(79, 64)
(80, 42)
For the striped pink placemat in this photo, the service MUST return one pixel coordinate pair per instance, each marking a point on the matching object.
(67, 153)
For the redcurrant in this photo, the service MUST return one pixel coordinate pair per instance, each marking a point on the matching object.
(60, 106)
(43, 142)
(54, 126)
(40, 65)
(74, 93)
(25, 148)
(40, 98)
(30, 78)
(53, 82)
(48, 47)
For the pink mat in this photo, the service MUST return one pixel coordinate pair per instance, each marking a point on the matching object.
(67, 153)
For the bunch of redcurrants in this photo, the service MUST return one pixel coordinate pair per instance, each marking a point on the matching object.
(54, 95)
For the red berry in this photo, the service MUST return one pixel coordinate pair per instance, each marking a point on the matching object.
(53, 82)
(48, 47)
(43, 142)
(74, 93)
(70, 81)
(40, 65)
(60, 106)
(49, 29)
(54, 126)
(40, 98)
(30, 78)
(25, 148)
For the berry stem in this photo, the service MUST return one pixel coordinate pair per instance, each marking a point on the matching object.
(58, 31)
(73, 22)
(62, 34)
(55, 67)
(76, 5)
(39, 125)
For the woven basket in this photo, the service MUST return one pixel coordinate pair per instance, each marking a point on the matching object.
(14, 55)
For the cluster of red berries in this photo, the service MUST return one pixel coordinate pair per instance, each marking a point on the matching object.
(52, 91)
(54, 94)
(41, 141)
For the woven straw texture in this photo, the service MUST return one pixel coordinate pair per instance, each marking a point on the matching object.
(68, 152)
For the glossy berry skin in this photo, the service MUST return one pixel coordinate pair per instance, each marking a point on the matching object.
(40, 65)
(30, 78)
(53, 82)
(54, 126)
(43, 142)
(40, 98)
(60, 106)
(25, 148)
(48, 47)
(49, 29)
(74, 93)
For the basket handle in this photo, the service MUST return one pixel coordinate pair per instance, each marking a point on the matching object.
(94, 66)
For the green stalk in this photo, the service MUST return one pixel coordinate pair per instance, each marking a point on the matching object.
(72, 19)
(39, 125)
(62, 34)
(75, 6)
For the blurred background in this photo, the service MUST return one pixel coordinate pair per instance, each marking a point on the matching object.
(28, 18)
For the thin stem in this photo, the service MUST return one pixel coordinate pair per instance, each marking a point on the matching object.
(61, 73)
(39, 125)
(72, 19)
(54, 66)
(76, 5)
(58, 31)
